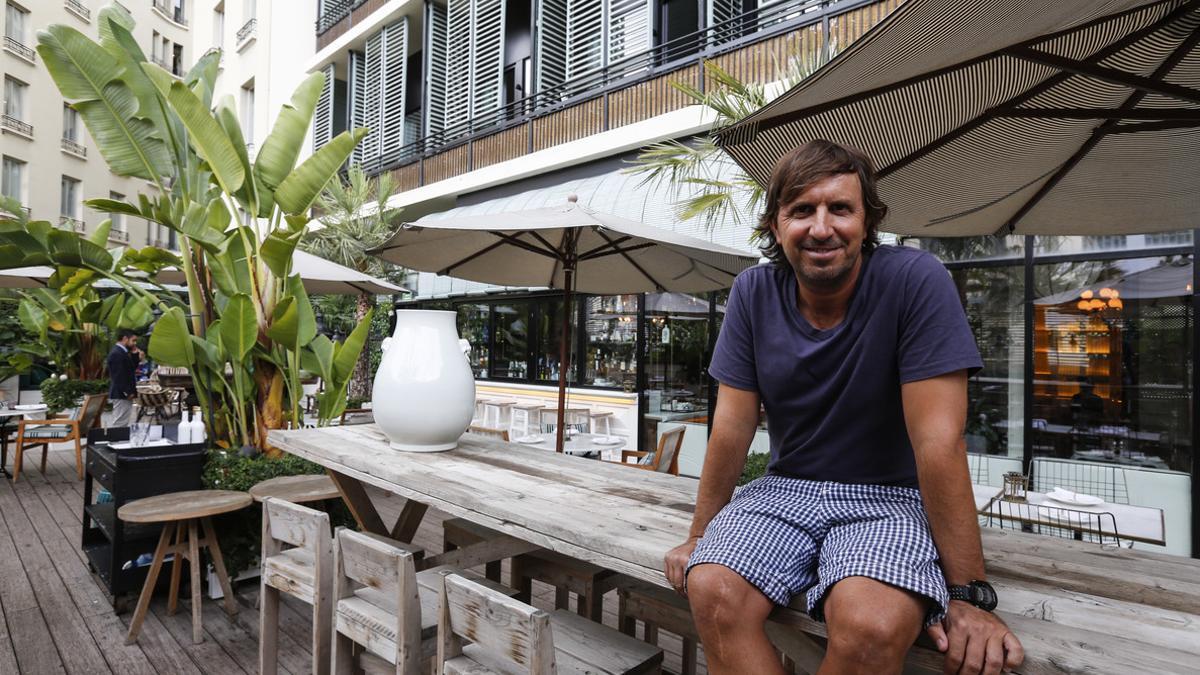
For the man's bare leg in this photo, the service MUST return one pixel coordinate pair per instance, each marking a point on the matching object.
(871, 626)
(730, 614)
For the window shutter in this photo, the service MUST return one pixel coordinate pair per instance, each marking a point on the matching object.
(628, 25)
(487, 59)
(585, 38)
(435, 68)
(551, 44)
(393, 72)
(371, 98)
(355, 116)
(458, 62)
(323, 115)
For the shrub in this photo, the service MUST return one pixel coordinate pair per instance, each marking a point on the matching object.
(59, 395)
(756, 467)
(240, 533)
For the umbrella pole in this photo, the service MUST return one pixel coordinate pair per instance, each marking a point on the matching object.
(564, 353)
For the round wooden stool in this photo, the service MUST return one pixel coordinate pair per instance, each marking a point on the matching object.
(182, 515)
(297, 489)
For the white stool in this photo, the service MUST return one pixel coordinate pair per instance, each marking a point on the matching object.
(525, 420)
(496, 414)
(601, 418)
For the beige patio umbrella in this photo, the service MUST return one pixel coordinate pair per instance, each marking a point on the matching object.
(999, 116)
(572, 248)
(25, 277)
(319, 276)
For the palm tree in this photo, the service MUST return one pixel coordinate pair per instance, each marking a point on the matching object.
(356, 219)
(714, 186)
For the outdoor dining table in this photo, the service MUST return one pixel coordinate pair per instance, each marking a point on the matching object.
(583, 445)
(1077, 607)
(1133, 523)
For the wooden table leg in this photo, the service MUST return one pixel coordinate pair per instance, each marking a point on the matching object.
(176, 571)
(194, 562)
(214, 550)
(359, 503)
(139, 615)
(410, 519)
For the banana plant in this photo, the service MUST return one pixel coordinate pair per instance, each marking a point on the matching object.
(247, 325)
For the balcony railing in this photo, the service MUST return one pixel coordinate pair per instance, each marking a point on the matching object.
(247, 31)
(72, 147)
(10, 123)
(118, 236)
(754, 26)
(73, 224)
(77, 8)
(335, 11)
(14, 46)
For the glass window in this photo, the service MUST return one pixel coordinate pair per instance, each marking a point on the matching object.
(950, 249)
(218, 34)
(15, 22)
(676, 361)
(1052, 245)
(248, 113)
(69, 203)
(510, 353)
(12, 177)
(610, 336)
(994, 298)
(118, 219)
(70, 123)
(14, 98)
(474, 327)
(550, 339)
(1112, 360)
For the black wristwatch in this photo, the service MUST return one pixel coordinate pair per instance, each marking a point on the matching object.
(978, 593)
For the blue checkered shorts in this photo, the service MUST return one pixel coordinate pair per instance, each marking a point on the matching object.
(786, 536)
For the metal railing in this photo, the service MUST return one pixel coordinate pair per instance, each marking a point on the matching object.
(77, 8)
(338, 10)
(247, 31)
(73, 224)
(750, 27)
(13, 124)
(14, 46)
(73, 147)
(118, 235)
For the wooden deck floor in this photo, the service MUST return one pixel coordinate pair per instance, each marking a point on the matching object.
(55, 617)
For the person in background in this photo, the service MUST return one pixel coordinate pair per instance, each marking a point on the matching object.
(122, 389)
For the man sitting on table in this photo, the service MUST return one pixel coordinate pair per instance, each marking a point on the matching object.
(860, 355)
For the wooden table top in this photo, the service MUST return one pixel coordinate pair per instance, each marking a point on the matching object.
(296, 489)
(1077, 607)
(184, 505)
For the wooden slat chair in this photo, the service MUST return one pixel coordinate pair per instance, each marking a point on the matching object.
(567, 575)
(490, 432)
(481, 631)
(160, 405)
(657, 608)
(32, 433)
(663, 460)
(385, 612)
(303, 570)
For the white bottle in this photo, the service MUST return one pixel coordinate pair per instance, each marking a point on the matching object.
(184, 433)
(197, 433)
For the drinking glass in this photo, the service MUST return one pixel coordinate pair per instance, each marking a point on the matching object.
(138, 431)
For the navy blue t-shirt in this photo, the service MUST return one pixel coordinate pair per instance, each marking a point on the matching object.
(832, 397)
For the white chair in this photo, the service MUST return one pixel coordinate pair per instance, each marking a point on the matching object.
(482, 631)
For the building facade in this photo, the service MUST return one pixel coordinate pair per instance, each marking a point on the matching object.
(50, 162)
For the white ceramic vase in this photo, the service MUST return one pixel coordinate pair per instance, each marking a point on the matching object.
(424, 392)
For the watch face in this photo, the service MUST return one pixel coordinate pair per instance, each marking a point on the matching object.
(983, 595)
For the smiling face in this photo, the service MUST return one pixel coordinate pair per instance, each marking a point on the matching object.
(821, 232)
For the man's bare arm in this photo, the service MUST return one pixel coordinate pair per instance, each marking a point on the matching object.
(734, 423)
(935, 410)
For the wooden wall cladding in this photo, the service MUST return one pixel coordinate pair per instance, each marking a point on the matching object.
(846, 28)
(767, 61)
(501, 146)
(652, 97)
(446, 164)
(578, 121)
(407, 177)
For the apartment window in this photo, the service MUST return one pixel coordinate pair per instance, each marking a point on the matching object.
(248, 113)
(69, 203)
(249, 9)
(16, 23)
(179, 12)
(118, 219)
(12, 179)
(155, 40)
(70, 123)
(177, 60)
(218, 36)
(14, 98)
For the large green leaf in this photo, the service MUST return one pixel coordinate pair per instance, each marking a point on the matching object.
(239, 327)
(248, 195)
(68, 248)
(90, 77)
(284, 323)
(209, 139)
(306, 319)
(136, 314)
(169, 343)
(302, 186)
(110, 309)
(347, 355)
(277, 251)
(32, 317)
(318, 357)
(99, 236)
(114, 206)
(202, 77)
(277, 157)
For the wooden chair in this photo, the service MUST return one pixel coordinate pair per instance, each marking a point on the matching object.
(663, 460)
(490, 432)
(384, 609)
(579, 419)
(303, 570)
(481, 631)
(356, 416)
(160, 405)
(32, 433)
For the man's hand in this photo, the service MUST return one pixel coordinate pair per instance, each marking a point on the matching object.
(975, 641)
(675, 563)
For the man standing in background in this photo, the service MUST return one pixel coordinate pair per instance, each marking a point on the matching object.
(122, 389)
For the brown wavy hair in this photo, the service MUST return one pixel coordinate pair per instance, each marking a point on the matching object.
(796, 171)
